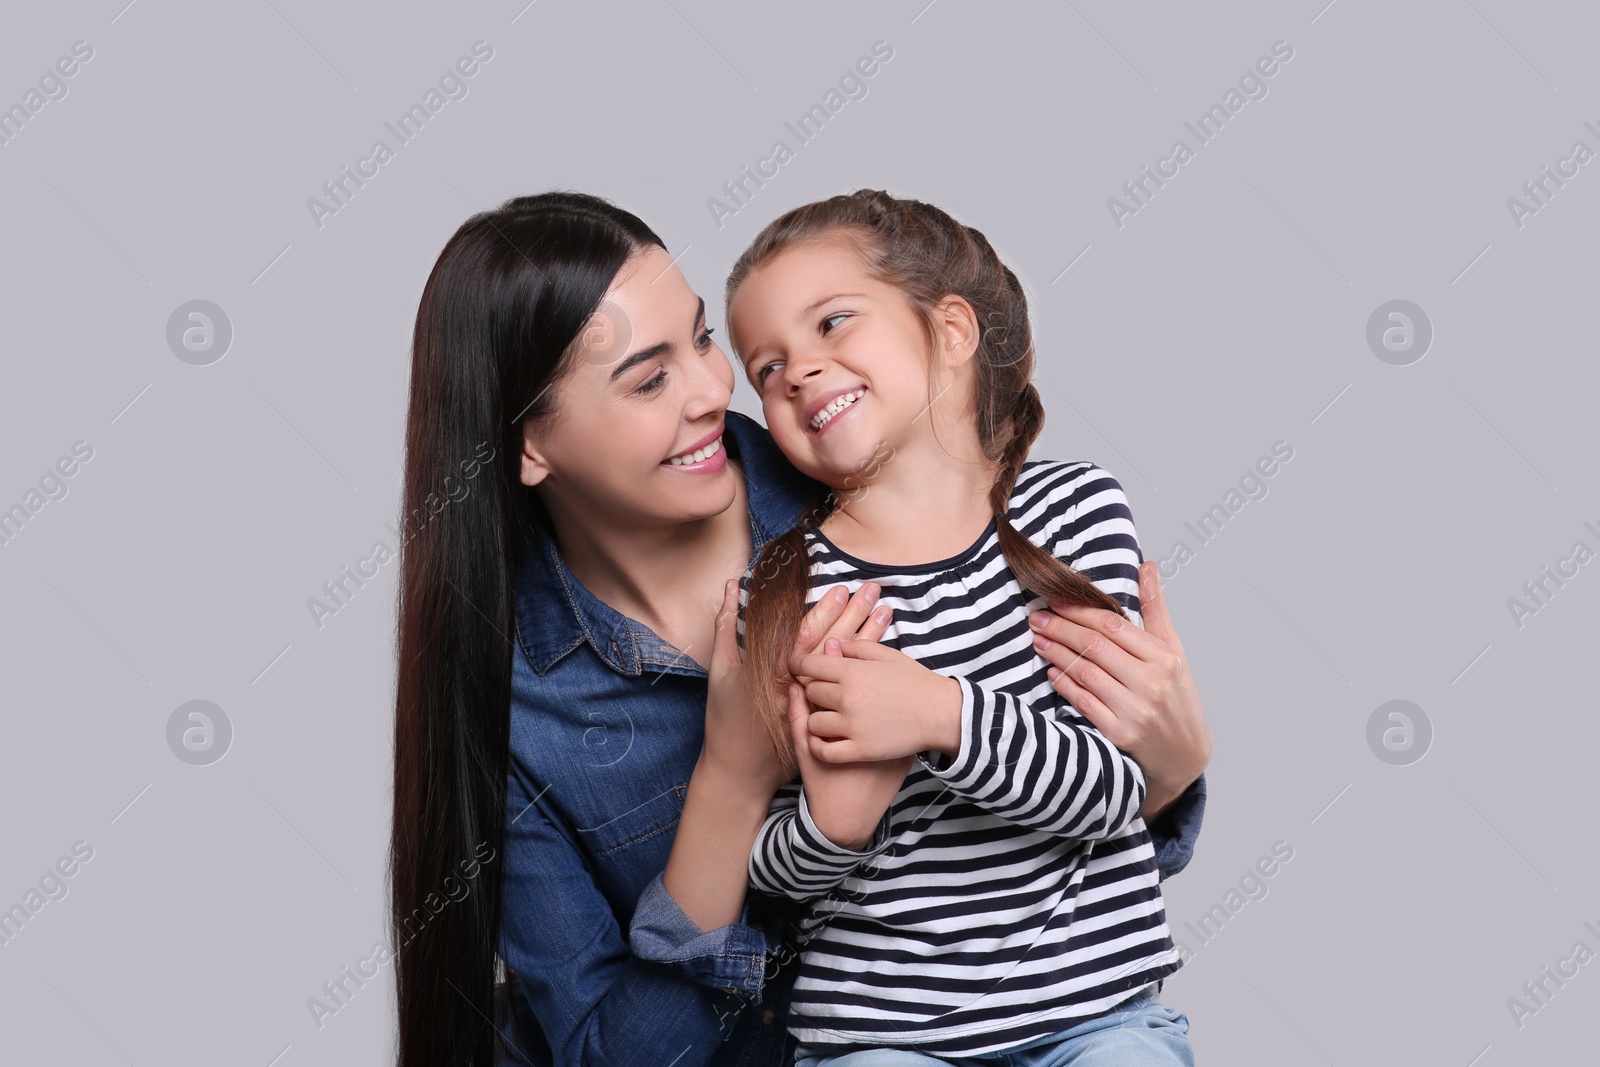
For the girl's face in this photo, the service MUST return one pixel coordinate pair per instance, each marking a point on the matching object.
(648, 392)
(815, 332)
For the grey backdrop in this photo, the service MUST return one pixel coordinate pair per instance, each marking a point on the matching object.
(1226, 314)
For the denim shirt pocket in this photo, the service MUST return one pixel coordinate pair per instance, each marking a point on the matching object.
(655, 816)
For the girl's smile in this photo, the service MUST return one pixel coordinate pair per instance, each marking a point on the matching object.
(826, 409)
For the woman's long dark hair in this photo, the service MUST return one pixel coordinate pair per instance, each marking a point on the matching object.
(496, 330)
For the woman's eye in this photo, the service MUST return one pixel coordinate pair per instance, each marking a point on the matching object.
(654, 383)
(704, 340)
(831, 318)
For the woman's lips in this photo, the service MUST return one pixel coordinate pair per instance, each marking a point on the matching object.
(707, 464)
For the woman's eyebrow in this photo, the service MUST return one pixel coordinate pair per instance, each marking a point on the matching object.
(660, 348)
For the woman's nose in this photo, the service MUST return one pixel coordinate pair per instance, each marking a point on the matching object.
(710, 391)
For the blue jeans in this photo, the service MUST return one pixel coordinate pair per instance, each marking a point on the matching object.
(1139, 1032)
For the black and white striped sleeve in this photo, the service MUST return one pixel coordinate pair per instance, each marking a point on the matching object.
(794, 859)
(1056, 774)
(1028, 767)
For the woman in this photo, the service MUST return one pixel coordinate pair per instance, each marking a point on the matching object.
(596, 838)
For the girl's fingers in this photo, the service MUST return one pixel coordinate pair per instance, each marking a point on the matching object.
(833, 751)
(824, 723)
(870, 650)
(825, 694)
(820, 667)
(831, 617)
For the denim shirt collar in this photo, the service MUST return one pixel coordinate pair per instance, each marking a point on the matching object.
(555, 613)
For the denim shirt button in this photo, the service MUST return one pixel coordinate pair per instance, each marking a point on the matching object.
(768, 1018)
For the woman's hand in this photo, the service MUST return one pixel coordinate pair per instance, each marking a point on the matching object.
(736, 745)
(1134, 685)
(846, 800)
(874, 702)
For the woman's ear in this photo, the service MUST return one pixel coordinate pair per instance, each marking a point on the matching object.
(535, 468)
(958, 328)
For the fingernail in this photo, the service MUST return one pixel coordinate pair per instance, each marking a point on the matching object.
(1038, 618)
(872, 589)
(1041, 642)
(881, 616)
(839, 594)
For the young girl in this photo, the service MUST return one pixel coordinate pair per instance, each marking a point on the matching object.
(977, 876)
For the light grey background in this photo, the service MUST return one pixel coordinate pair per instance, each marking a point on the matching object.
(1229, 313)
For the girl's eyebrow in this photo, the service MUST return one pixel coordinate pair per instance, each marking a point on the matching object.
(809, 308)
(804, 314)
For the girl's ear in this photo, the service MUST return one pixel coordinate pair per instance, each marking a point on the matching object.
(958, 328)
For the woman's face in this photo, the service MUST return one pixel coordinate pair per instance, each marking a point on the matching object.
(648, 391)
(815, 331)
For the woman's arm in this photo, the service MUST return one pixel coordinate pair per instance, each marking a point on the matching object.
(738, 771)
(596, 1002)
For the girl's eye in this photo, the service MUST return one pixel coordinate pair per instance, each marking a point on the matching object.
(761, 375)
(653, 384)
(704, 340)
(831, 318)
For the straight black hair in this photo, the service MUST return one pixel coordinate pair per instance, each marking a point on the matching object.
(495, 332)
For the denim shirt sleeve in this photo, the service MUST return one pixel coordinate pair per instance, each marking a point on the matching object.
(731, 958)
(596, 1002)
(1174, 831)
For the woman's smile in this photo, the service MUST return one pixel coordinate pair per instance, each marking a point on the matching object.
(704, 457)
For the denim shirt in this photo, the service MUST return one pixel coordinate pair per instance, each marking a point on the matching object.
(607, 721)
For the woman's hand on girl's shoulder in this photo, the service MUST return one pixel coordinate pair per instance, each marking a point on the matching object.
(1133, 684)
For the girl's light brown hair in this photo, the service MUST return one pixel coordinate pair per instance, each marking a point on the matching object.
(927, 255)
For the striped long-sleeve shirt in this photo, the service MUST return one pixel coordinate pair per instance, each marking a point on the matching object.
(1011, 890)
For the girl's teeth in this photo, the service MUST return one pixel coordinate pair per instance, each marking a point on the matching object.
(838, 404)
(697, 455)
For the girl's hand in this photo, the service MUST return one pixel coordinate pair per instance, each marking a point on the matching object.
(846, 800)
(825, 620)
(1134, 685)
(877, 703)
(736, 744)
